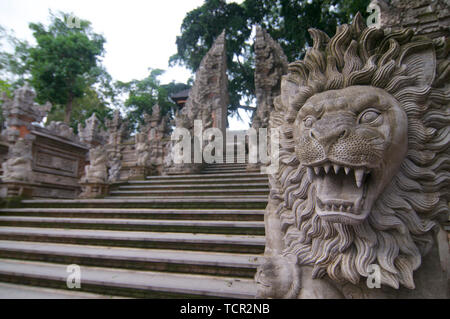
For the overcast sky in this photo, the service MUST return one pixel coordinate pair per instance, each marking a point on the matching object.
(140, 33)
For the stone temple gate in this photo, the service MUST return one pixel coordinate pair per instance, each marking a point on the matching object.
(358, 207)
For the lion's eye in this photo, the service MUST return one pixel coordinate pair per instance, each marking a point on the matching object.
(369, 116)
(309, 121)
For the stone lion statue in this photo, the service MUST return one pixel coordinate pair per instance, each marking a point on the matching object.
(363, 175)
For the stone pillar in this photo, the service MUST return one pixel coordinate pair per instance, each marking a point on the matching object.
(114, 136)
(91, 134)
(208, 99)
(270, 65)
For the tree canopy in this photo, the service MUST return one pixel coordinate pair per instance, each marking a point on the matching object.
(64, 67)
(143, 94)
(65, 61)
(287, 21)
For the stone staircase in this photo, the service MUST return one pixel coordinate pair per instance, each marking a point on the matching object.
(177, 236)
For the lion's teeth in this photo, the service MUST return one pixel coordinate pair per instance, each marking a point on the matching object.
(310, 173)
(317, 170)
(359, 175)
(341, 208)
(347, 170)
(327, 168)
(336, 168)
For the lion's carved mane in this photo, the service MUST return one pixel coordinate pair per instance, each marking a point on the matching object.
(403, 219)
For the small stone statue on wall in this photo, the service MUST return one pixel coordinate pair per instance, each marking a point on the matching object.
(96, 171)
(18, 166)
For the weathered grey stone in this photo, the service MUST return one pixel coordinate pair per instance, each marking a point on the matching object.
(425, 17)
(364, 142)
(142, 150)
(114, 164)
(18, 166)
(92, 134)
(22, 110)
(117, 129)
(95, 181)
(208, 99)
(62, 129)
(270, 65)
(96, 171)
(50, 164)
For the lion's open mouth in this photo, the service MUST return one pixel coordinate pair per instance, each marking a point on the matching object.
(340, 191)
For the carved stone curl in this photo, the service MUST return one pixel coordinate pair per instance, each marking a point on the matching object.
(363, 175)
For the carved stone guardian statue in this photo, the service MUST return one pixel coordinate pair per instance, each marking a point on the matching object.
(95, 181)
(363, 178)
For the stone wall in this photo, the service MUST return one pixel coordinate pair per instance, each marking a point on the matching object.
(425, 17)
(45, 162)
(58, 164)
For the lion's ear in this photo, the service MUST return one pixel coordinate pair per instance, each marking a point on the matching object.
(418, 60)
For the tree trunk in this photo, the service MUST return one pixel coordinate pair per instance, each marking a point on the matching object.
(68, 111)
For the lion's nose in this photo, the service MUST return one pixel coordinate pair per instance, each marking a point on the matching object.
(326, 138)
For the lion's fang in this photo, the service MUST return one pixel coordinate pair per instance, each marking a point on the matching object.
(359, 175)
(336, 168)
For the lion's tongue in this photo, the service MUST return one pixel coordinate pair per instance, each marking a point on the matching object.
(339, 187)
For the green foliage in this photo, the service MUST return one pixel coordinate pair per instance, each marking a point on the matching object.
(83, 107)
(287, 21)
(65, 62)
(13, 65)
(142, 95)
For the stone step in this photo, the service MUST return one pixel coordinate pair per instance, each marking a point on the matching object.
(181, 241)
(212, 227)
(204, 180)
(193, 186)
(222, 171)
(214, 202)
(190, 192)
(217, 176)
(129, 283)
(217, 264)
(226, 165)
(225, 169)
(133, 213)
(12, 291)
(176, 236)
